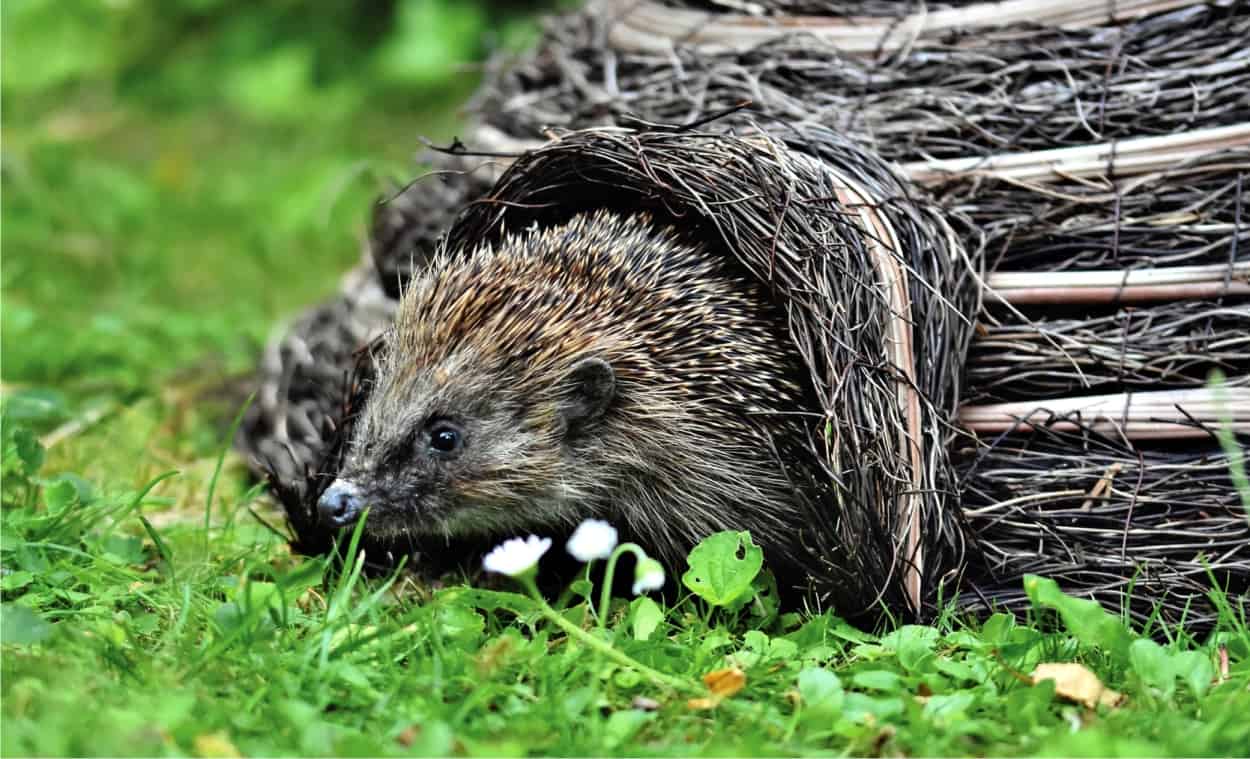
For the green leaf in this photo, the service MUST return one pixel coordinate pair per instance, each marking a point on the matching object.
(945, 708)
(60, 496)
(581, 588)
(997, 628)
(754, 651)
(16, 580)
(877, 679)
(645, 616)
(714, 640)
(756, 640)
(1159, 668)
(1099, 743)
(624, 725)
(84, 492)
(29, 450)
(821, 691)
(956, 670)
(626, 679)
(162, 549)
(36, 406)
(1084, 618)
(229, 617)
(1151, 663)
(254, 595)
(722, 567)
(1026, 708)
(914, 645)
(765, 601)
(780, 648)
(858, 706)
(460, 624)
(1195, 668)
(122, 549)
(20, 626)
(487, 600)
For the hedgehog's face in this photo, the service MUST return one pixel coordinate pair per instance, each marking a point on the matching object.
(458, 452)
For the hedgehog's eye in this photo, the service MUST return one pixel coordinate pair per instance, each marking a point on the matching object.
(445, 439)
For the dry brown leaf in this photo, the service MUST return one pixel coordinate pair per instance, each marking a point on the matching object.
(879, 741)
(723, 683)
(408, 735)
(1076, 682)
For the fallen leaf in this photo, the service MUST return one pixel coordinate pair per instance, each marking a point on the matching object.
(882, 737)
(215, 745)
(723, 683)
(407, 736)
(1076, 682)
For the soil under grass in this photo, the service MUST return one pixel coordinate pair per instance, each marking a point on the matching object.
(172, 187)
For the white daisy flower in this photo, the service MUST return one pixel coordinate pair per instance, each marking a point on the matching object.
(648, 575)
(593, 539)
(516, 556)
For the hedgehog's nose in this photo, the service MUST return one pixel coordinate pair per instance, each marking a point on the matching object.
(340, 504)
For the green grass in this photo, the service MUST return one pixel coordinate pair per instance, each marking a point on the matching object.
(177, 182)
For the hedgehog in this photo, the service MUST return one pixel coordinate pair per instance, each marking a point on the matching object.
(602, 367)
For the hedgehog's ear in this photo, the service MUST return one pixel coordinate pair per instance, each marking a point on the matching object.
(591, 387)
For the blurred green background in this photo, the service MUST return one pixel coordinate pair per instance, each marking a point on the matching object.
(178, 175)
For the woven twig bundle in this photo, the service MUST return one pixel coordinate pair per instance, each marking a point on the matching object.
(1096, 162)
(1150, 530)
(976, 92)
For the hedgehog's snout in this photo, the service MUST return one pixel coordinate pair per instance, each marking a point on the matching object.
(340, 505)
